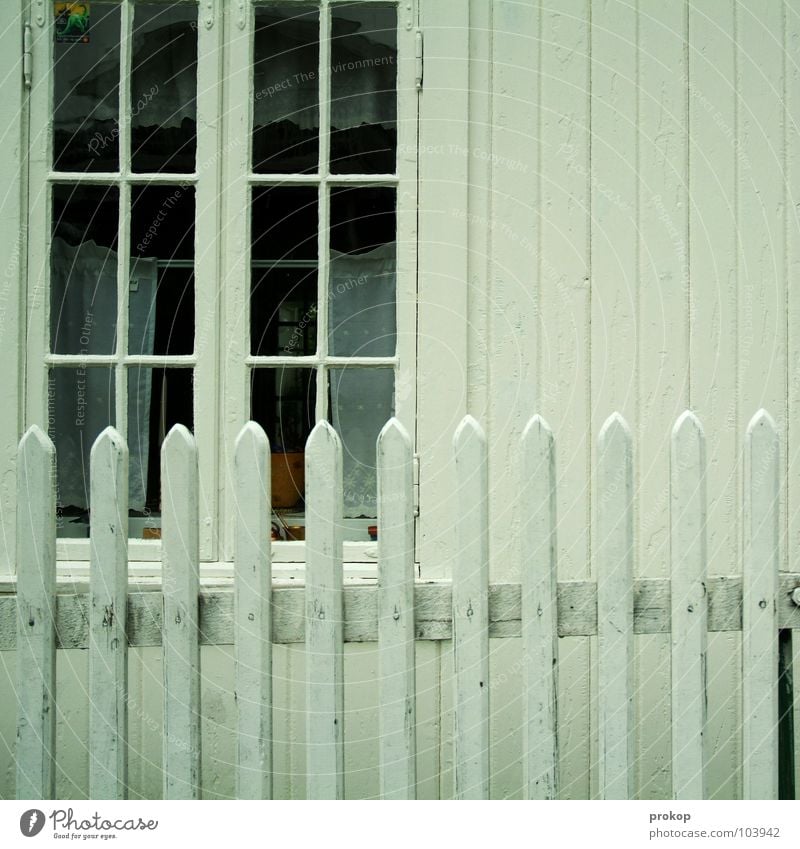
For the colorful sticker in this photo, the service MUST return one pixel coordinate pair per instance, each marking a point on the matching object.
(72, 22)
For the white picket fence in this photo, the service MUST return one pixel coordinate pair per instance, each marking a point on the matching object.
(396, 613)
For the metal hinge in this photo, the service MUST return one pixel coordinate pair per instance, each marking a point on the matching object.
(27, 55)
(419, 55)
(415, 482)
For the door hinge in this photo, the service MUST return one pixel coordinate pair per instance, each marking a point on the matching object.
(27, 55)
(415, 482)
(419, 55)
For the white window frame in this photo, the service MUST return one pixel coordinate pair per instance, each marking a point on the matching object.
(222, 181)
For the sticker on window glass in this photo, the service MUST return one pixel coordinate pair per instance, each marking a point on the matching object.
(72, 22)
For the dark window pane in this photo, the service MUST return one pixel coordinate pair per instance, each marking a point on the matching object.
(86, 91)
(80, 405)
(362, 289)
(164, 88)
(158, 398)
(286, 90)
(363, 89)
(83, 270)
(283, 311)
(162, 222)
(361, 402)
(283, 402)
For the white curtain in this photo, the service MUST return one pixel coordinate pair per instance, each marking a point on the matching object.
(362, 309)
(83, 282)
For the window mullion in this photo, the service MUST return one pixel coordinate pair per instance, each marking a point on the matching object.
(323, 238)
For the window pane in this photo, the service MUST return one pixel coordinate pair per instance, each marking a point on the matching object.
(83, 270)
(286, 90)
(361, 402)
(362, 292)
(164, 88)
(363, 89)
(80, 405)
(86, 88)
(283, 402)
(158, 398)
(283, 301)
(161, 309)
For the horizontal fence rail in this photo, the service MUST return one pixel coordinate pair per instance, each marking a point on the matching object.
(397, 610)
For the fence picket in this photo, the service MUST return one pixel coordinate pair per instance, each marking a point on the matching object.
(396, 613)
(181, 577)
(539, 613)
(253, 614)
(324, 615)
(689, 617)
(759, 620)
(36, 613)
(108, 595)
(615, 609)
(471, 613)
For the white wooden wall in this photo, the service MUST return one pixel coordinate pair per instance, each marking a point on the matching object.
(621, 198)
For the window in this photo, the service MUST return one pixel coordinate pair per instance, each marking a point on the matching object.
(222, 220)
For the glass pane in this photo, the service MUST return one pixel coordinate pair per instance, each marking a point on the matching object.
(86, 87)
(283, 403)
(158, 398)
(162, 222)
(164, 88)
(362, 293)
(286, 90)
(80, 405)
(361, 402)
(363, 89)
(283, 300)
(83, 270)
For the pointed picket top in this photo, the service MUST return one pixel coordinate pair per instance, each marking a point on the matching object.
(251, 440)
(537, 433)
(109, 440)
(614, 430)
(393, 433)
(762, 420)
(35, 439)
(321, 437)
(468, 433)
(178, 441)
(687, 426)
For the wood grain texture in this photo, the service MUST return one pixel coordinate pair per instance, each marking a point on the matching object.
(253, 614)
(539, 607)
(181, 648)
(689, 614)
(759, 610)
(324, 616)
(34, 620)
(471, 614)
(433, 621)
(615, 605)
(108, 604)
(397, 675)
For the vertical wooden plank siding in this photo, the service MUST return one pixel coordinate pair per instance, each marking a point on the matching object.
(398, 748)
(471, 613)
(36, 636)
(615, 610)
(253, 614)
(180, 645)
(564, 397)
(539, 615)
(324, 616)
(108, 641)
(759, 620)
(713, 345)
(689, 607)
